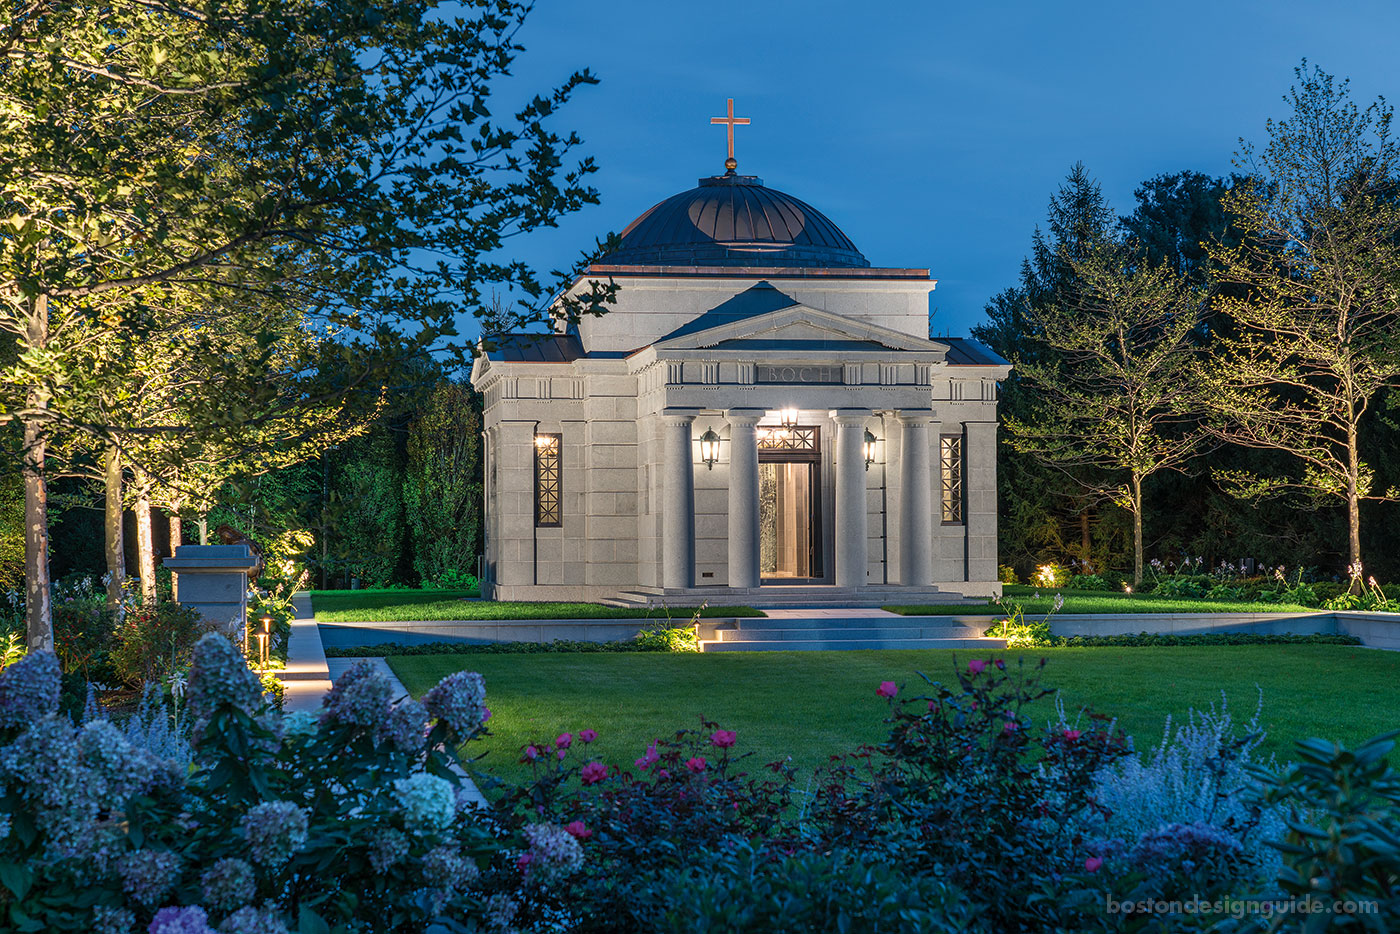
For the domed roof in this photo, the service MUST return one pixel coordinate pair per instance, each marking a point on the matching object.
(733, 220)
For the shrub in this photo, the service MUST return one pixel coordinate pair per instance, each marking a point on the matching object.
(1182, 585)
(668, 639)
(153, 642)
(1088, 582)
(1007, 574)
(452, 579)
(1341, 845)
(348, 821)
(82, 634)
(1049, 576)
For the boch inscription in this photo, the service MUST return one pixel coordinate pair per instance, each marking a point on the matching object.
(770, 373)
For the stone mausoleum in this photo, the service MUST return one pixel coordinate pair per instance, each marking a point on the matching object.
(760, 418)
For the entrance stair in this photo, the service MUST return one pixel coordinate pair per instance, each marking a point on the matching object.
(790, 596)
(810, 629)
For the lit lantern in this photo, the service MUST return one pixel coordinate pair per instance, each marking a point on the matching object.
(709, 448)
(788, 417)
(869, 449)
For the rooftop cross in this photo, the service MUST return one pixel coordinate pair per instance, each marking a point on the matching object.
(731, 121)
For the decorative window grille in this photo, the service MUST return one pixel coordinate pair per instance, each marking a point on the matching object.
(549, 481)
(951, 464)
(799, 438)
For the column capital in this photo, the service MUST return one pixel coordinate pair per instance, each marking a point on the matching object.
(852, 416)
(916, 416)
(678, 416)
(744, 416)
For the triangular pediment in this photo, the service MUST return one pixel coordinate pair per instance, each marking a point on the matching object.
(797, 328)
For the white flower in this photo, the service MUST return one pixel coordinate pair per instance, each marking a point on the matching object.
(428, 802)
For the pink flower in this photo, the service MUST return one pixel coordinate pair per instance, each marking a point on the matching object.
(931, 705)
(485, 714)
(723, 738)
(593, 773)
(887, 689)
(976, 666)
(563, 740)
(1093, 864)
(642, 763)
(561, 754)
(663, 773)
(577, 830)
(1072, 735)
(1001, 665)
(523, 862)
(587, 736)
(1010, 726)
(696, 764)
(531, 754)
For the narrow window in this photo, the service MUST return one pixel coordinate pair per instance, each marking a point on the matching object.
(549, 482)
(951, 464)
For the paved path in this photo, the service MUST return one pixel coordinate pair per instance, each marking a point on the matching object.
(309, 674)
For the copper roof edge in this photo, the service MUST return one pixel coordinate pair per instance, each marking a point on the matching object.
(790, 272)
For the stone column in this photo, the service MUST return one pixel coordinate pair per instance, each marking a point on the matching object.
(678, 506)
(743, 497)
(916, 516)
(851, 546)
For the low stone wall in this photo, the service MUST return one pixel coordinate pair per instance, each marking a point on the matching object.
(420, 632)
(1183, 624)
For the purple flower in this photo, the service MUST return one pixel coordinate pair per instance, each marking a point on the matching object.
(360, 697)
(405, 727)
(274, 831)
(219, 676)
(553, 854)
(459, 700)
(252, 920)
(387, 848)
(108, 920)
(28, 690)
(189, 920)
(228, 884)
(149, 875)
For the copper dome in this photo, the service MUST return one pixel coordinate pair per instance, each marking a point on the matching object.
(733, 220)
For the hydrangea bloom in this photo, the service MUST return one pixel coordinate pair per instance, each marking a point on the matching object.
(501, 911)
(554, 854)
(1184, 846)
(180, 921)
(218, 676)
(228, 884)
(459, 700)
(148, 875)
(108, 920)
(28, 690)
(445, 867)
(121, 769)
(43, 762)
(405, 727)
(253, 921)
(360, 697)
(274, 831)
(428, 802)
(299, 725)
(388, 847)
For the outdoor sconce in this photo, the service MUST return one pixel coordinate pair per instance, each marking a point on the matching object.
(788, 417)
(869, 449)
(709, 448)
(544, 441)
(263, 638)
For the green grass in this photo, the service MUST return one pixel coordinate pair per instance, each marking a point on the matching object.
(814, 704)
(1098, 602)
(354, 606)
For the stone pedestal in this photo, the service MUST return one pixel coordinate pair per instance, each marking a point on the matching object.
(213, 580)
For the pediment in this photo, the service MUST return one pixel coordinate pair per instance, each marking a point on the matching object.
(798, 328)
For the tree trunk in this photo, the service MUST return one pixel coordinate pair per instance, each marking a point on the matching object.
(112, 521)
(177, 532)
(1086, 543)
(145, 545)
(1354, 567)
(37, 598)
(1137, 531)
(204, 530)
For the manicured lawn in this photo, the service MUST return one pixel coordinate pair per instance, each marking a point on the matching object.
(1097, 602)
(350, 606)
(813, 704)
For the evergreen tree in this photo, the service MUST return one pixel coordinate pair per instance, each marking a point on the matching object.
(442, 490)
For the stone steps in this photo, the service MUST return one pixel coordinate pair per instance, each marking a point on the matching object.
(830, 634)
(795, 595)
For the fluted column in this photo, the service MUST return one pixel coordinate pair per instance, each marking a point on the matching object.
(851, 546)
(743, 497)
(916, 516)
(678, 507)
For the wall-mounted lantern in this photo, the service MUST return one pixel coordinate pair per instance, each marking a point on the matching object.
(709, 448)
(788, 418)
(869, 449)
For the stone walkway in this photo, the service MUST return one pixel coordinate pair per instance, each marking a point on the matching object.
(309, 674)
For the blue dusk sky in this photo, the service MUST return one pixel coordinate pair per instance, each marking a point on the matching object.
(932, 133)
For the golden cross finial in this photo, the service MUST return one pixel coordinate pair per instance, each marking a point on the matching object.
(730, 122)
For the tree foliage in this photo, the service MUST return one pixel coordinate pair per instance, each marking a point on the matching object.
(442, 489)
